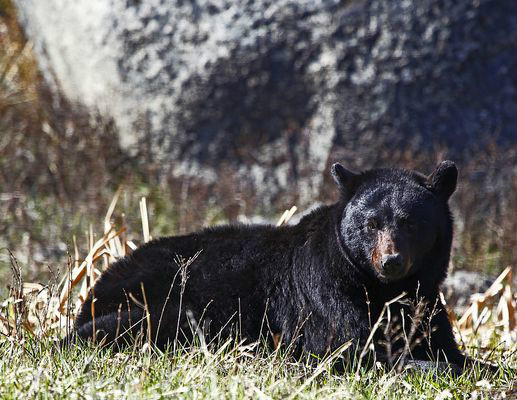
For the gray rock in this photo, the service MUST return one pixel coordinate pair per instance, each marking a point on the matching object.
(461, 285)
(276, 89)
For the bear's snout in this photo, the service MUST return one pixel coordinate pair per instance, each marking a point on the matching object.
(387, 258)
(391, 262)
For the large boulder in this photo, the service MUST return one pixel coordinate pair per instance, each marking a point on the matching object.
(275, 89)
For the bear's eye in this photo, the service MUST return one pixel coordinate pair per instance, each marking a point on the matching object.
(371, 224)
(408, 223)
(411, 225)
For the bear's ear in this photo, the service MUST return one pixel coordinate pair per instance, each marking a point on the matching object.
(345, 179)
(444, 178)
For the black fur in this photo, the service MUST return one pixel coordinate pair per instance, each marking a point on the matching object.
(309, 283)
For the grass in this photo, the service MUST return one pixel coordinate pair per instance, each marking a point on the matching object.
(35, 368)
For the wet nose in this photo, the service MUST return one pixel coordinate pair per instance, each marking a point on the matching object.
(391, 262)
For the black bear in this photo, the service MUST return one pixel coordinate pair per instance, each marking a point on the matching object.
(312, 286)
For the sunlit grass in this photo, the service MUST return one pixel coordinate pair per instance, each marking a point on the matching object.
(37, 368)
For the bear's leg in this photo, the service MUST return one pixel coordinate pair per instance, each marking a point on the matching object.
(116, 328)
(123, 327)
(443, 345)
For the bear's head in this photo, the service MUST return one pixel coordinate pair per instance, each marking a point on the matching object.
(396, 222)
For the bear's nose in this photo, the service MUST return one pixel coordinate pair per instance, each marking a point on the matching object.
(391, 262)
